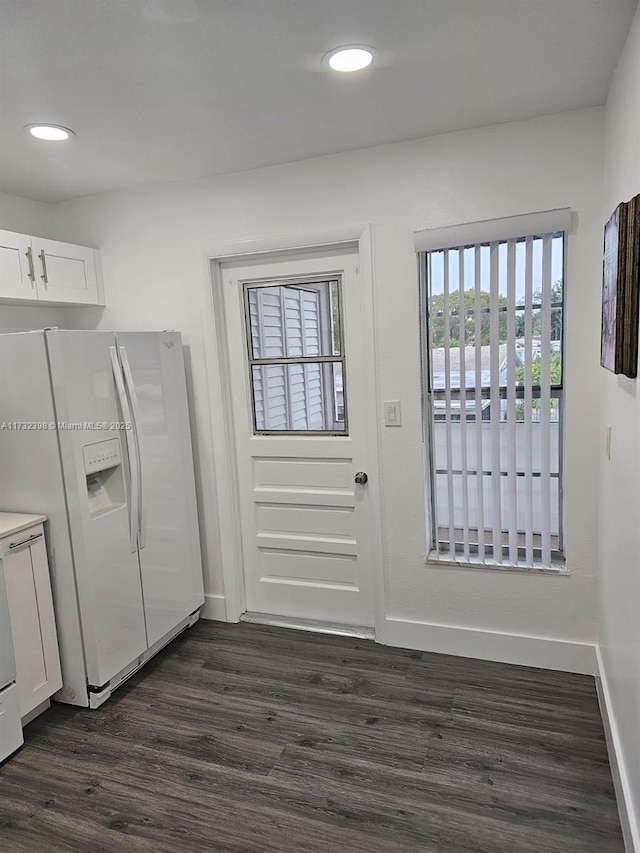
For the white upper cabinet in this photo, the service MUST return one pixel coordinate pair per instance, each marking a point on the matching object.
(17, 276)
(48, 271)
(66, 273)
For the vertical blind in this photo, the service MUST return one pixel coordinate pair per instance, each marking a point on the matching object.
(493, 336)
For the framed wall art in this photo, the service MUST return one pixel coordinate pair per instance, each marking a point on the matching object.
(621, 289)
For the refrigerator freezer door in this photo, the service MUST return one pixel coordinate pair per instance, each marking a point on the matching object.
(107, 572)
(170, 560)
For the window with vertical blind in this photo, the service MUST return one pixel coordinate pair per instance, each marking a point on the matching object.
(493, 330)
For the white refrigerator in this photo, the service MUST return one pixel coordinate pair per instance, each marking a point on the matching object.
(94, 433)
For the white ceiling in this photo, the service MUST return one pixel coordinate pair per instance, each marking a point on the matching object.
(164, 90)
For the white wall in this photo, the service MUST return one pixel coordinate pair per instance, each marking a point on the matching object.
(154, 243)
(27, 217)
(24, 215)
(620, 491)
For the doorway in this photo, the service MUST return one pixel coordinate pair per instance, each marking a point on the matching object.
(299, 370)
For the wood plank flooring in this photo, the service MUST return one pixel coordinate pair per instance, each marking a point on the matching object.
(251, 739)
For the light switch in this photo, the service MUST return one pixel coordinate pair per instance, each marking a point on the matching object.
(392, 414)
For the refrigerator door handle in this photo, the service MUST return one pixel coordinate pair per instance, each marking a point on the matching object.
(131, 389)
(134, 492)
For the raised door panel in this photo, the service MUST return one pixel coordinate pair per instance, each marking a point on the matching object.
(170, 560)
(48, 633)
(15, 280)
(66, 272)
(32, 620)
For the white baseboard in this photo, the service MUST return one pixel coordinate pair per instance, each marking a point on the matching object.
(491, 645)
(214, 608)
(629, 820)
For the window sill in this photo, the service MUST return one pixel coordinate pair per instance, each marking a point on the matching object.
(433, 559)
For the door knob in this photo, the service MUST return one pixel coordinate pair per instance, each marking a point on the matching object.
(361, 478)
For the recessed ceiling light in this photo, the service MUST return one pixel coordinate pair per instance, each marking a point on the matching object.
(353, 57)
(50, 132)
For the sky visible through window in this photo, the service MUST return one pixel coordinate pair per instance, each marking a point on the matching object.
(437, 268)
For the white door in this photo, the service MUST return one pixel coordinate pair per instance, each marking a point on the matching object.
(17, 276)
(297, 368)
(170, 561)
(65, 272)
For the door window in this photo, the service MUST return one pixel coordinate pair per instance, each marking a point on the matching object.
(296, 357)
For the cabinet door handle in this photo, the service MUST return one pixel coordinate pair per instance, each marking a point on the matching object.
(44, 267)
(26, 541)
(32, 272)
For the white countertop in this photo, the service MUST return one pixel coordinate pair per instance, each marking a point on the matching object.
(14, 522)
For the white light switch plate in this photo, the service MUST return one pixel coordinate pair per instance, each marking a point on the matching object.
(392, 413)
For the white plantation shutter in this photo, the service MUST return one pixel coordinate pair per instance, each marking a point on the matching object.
(493, 336)
(292, 316)
(285, 322)
(258, 372)
(303, 339)
(271, 326)
(311, 346)
(311, 319)
(297, 396)
(254, 323)
(315, 400)
(275, 396)
(267, 338)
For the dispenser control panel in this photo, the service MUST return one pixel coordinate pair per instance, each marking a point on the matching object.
(101, 455)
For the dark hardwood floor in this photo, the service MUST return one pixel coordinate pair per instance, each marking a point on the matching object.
(248, 739)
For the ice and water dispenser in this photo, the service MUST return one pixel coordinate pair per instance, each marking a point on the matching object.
(103, 470)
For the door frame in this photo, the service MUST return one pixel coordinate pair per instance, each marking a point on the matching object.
(222, 469)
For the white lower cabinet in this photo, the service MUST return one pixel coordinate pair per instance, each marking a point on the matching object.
(11, 737)
(33, 626)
